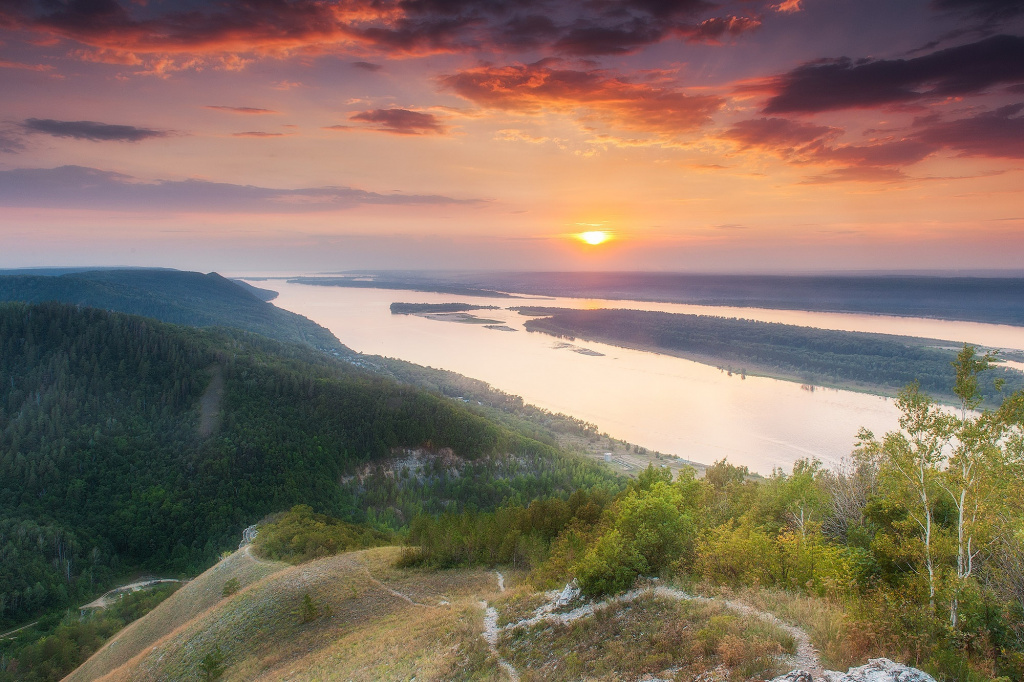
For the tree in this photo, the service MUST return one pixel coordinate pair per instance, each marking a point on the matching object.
(912, 459)
(212, 666)
(978, 464)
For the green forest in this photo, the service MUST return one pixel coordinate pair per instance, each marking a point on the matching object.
(108, 464)
(816, 356)
(189, 298)
(911, 549)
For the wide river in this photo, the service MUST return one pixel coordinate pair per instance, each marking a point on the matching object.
(663, 403)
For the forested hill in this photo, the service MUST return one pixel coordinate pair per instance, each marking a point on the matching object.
(189, 298)
(128, 444)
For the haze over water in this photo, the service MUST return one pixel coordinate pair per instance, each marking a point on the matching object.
(660, 402)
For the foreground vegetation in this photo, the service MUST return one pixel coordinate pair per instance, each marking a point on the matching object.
(914, 544)
(816, 356)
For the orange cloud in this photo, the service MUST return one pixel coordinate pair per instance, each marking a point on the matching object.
(585, 94)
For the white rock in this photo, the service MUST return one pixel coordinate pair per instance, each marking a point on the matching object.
(876, 670)
(568, 595)
(795, 676)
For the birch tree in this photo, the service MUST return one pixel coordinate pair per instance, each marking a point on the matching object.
(912, 458)
(976, 457)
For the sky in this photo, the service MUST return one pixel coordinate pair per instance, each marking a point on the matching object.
(316, 135)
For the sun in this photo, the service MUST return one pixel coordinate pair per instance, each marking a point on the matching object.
(594, 237)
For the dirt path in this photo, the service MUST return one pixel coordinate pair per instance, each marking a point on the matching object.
(108, 597)
(805, 658)
(15, 630)
(491, 634)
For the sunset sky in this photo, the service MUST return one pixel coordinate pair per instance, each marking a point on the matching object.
(742, 135)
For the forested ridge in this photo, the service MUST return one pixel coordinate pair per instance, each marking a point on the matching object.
(190, 298)
(817, 356)
(105, 469)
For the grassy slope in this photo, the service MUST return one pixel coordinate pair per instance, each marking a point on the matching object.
(188, 603)
(370, 633)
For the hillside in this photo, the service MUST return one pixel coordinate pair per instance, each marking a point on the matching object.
(370, 620)
(188, 298)
(128, 444)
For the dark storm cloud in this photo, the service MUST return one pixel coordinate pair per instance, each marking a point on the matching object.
(848, 84)
(91, 130)
(89, 188)
(401, 121)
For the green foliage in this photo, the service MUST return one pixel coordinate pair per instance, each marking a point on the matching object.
(230, 587)
(212, 666)
(299, 535)
(515, 534)
(56, 646)
(308, 611)
(807, 354)
(648, 530)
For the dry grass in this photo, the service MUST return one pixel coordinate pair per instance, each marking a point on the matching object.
(372, 622)
(375, 621)
(199, 595)
(649, 636)
(826, 621)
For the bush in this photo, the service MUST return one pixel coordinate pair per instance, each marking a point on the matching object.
(301, 535)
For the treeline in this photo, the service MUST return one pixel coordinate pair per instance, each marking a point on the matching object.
(917, 536)
(417, 308)
(189, 298)
(807, 354)
(998, 300)
(104, 466)
(516, 534)
(69, 640)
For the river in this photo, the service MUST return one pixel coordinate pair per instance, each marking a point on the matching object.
(660, 402)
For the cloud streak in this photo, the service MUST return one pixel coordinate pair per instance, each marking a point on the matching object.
(89, 188)
(401, 121)
(91, 130)
(241, 110)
